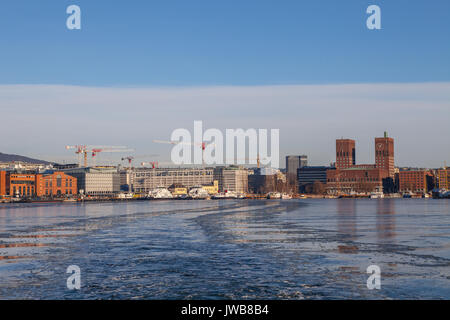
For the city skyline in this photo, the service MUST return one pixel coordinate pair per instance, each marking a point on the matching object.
(310, 118)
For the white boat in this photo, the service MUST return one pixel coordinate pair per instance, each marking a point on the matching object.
(125, 195)
(229, 195)
(286, 196)
(274, 195)
(376, 195)
(198, 192)
(160, 193)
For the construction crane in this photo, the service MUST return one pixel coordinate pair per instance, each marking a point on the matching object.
(154, 164)
(131, 158)
(94, 150)
(197, 144)
(80, 150)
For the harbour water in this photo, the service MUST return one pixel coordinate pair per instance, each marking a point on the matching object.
(231, 249)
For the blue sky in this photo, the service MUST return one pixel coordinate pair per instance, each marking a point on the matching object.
(211, 42)
(139, 69)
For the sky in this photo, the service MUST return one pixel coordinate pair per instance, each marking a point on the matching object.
(137, 70)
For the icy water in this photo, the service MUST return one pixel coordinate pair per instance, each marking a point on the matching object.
(256, 249)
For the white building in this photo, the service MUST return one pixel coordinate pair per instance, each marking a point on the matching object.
(96, 181)
(144, 180)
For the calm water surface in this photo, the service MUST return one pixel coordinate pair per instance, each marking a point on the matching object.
(295, 249)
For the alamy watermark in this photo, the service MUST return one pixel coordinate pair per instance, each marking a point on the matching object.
(374, 280)
(74, 20)
(373, 22)
(74, 280)
(241, 146)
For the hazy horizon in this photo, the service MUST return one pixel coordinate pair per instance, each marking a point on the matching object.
(310, 118)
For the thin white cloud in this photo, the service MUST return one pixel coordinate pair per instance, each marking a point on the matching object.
(39, 120)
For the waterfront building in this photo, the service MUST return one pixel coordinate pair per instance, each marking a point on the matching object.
(28, 184)
(262, 183)
(144, 180)
(125, 179)
(266, 180)
(55, 184)
(413, 181)
(357, 179)
(309, 175)
(232, 178)
(444, 178)
(96, 181)
(20, 184)
(348, 177)
(3, 183)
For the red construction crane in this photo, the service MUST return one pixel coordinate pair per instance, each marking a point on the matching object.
(94, 150)
(131, 158)
(154, 164)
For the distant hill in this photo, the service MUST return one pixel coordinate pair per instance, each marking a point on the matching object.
(13, 157)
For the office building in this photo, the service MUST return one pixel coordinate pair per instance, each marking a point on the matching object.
(232, 178)
(413, 181)
(444, 178)
(295, 162)
(144, 180)
(96, 181)
(308, 175)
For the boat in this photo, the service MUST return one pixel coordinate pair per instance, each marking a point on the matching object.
(440, 194)
(198, 192)
(286, 196)
(125, 195)
(160, 193)
(376, 195)
(408, 195)
(274, 195)
(70, 200)
(228, 195)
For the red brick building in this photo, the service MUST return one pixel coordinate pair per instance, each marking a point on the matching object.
(384, 154)
(37, 185)
(21, 184)
(345, 153)
(360, 179)
(348, 177)
(413, 181)
(2, 183)
(55, 184)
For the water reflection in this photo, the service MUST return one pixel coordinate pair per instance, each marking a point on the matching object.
(386, 231)
(346, 224)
